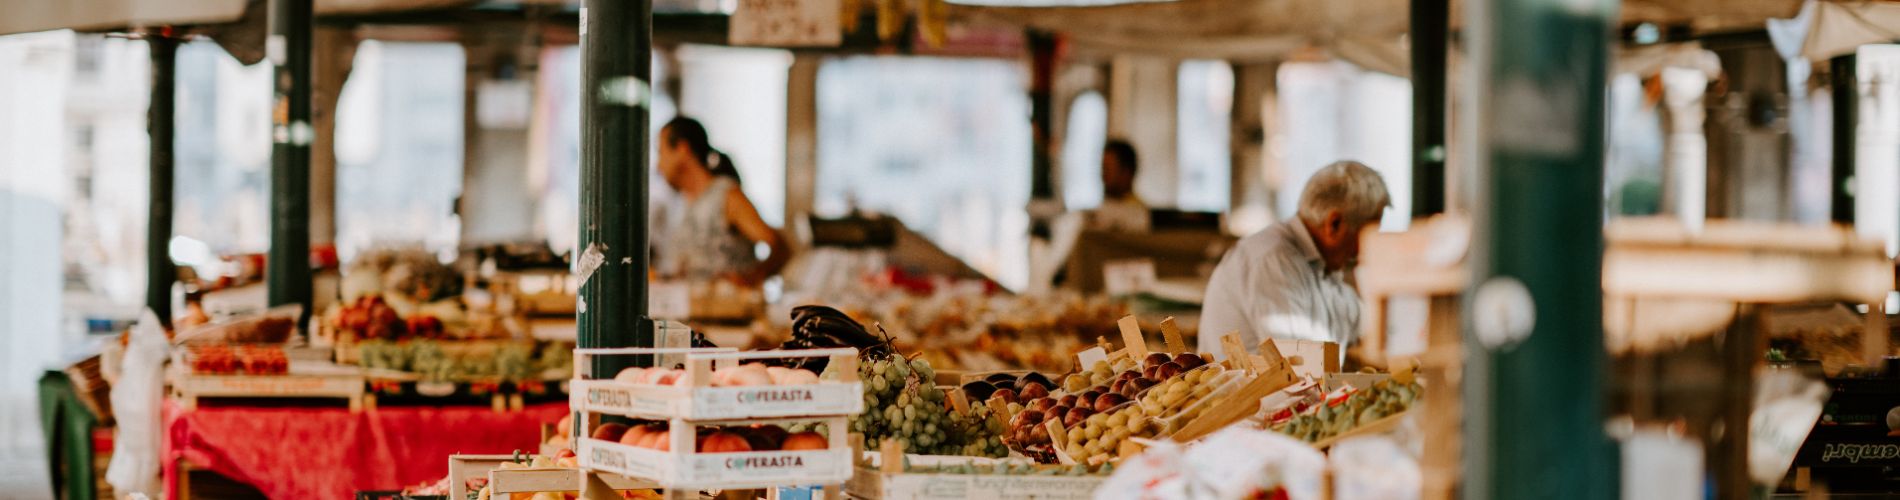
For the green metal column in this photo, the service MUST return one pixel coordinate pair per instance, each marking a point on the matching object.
(616, 66)
(1844, 87)
(1430, 32)
(1534, 372)
(1042, 56)
(287, 271)
(159, 271)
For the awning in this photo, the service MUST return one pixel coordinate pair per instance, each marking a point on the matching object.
(1367, 32)
(26, 16)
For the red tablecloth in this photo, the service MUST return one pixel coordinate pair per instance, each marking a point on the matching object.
(297, 453)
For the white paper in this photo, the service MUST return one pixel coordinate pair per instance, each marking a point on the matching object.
(670, 301)
(1126, 277)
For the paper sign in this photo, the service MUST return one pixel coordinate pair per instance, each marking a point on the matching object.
(1126, 277)
(670, 301)
(786, 23)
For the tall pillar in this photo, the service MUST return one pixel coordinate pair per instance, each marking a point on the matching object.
(1844, 87)
(1877, 149)
(334, 51)
(287, 271)
(1685, 148)
(1430, 34)
(801, 137)
(1256, 94)
(1142, 97)
(1535, 360)
(160, 273)
(497, 203)
(616, 71)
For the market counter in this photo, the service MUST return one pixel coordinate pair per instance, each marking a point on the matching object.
(312, 452)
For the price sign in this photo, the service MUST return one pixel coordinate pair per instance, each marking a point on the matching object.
(1126, 277)
(786, 23)
(670, 301)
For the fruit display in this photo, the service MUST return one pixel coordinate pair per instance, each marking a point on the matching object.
(727, 439)
(902, 403)
(749, 374)
(1349, 407)
(1108, 403)
(223, 359)
(467, 361)
(965, 328)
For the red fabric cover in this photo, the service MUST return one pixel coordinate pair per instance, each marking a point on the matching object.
(295, 453)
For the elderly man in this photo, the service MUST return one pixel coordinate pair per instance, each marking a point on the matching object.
(1291, 280)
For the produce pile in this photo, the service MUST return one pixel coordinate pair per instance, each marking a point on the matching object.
(903, 404)
(1109, 403)
(749, 374)
(1346, 408)
(729, 439)
(968, 329)
(469, 361)
(224, 359)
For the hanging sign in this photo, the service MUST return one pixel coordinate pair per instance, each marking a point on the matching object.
(786, 23)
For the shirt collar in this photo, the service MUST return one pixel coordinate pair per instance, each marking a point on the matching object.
(1303, 240)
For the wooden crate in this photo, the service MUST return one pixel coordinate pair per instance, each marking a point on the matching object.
(843, 395)
(189, 388)
(683, 468)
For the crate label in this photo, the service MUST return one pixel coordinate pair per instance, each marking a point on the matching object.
(273, 385)
(1010, 487)
(624, 460)
(763, 401)
(814, 466)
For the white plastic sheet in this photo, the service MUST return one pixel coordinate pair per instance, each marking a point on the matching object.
(135, 403)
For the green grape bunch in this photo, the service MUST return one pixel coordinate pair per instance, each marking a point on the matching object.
(979, 434)
(902, 403)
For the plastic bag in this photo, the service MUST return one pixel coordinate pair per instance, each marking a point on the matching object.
(135, 402)
(1235, 463)
(1374, 468)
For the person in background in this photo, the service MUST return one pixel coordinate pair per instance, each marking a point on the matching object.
(1293, 280)
(714, 234)
(1121, 209)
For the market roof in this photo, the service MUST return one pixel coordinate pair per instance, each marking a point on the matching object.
(1370, 32)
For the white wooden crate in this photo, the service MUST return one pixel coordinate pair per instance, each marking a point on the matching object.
(839, 395)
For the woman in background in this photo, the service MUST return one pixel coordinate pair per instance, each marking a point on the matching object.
(717, 228)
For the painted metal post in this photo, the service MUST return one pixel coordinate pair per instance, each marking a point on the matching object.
(1042, 78)
(1534, 373)
(160, 273)
(1843, 83)
(1431, 25)
(616, 68)
(287, 270)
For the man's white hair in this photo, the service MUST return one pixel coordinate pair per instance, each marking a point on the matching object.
(1350, 187)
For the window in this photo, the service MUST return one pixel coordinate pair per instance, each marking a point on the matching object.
(943, 144)
(1332, 111)
(1204, 114)
(1082, 142)
(399, 147)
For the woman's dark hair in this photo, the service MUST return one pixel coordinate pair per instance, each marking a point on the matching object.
(723, 166)
(689, 131)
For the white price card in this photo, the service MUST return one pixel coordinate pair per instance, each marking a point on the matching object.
(1126, 277)
(670, 301)
(786, 23)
